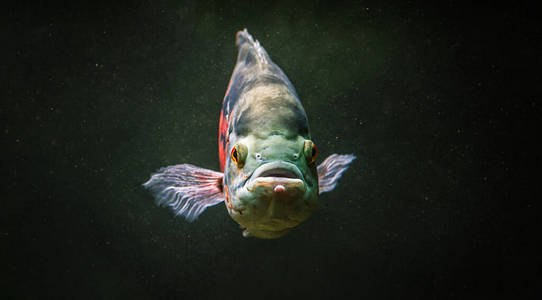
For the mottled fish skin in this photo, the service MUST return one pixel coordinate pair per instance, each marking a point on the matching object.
(261, 108)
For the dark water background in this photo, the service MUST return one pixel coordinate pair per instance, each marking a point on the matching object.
(440, 103)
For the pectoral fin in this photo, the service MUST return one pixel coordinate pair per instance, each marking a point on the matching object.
(187, 189)
(331, 169)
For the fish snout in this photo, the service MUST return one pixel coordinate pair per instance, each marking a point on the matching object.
(277, 179)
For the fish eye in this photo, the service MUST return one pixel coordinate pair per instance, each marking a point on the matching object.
(235, 155)
(310, 151)
(239, 154)
(314, 154)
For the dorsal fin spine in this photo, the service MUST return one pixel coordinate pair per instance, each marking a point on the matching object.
(244, 37)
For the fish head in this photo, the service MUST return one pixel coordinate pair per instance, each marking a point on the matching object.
(271, 182)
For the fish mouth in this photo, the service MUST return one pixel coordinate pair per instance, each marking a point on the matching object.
(278, 173)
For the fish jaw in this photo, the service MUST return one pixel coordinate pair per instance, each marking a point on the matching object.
(275, 199)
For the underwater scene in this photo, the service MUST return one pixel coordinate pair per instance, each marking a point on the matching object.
(273, 150)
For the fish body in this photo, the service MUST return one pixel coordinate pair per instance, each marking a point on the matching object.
(269, 180)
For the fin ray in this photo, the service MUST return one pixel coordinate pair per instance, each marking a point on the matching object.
(187, 189)
(250, 49)
(331, 170)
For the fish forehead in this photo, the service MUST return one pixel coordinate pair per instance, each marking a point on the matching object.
(274, 143)
(270, 109)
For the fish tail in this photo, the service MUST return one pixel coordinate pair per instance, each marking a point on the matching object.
(250, 49)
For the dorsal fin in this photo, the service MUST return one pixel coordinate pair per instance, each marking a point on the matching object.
(250, 50)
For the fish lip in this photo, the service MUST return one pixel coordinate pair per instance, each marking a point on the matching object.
(288, 171)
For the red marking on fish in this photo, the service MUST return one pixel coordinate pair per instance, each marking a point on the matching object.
(222, 139)
(227, 197)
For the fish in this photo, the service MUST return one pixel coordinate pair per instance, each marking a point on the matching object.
(268, 179)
